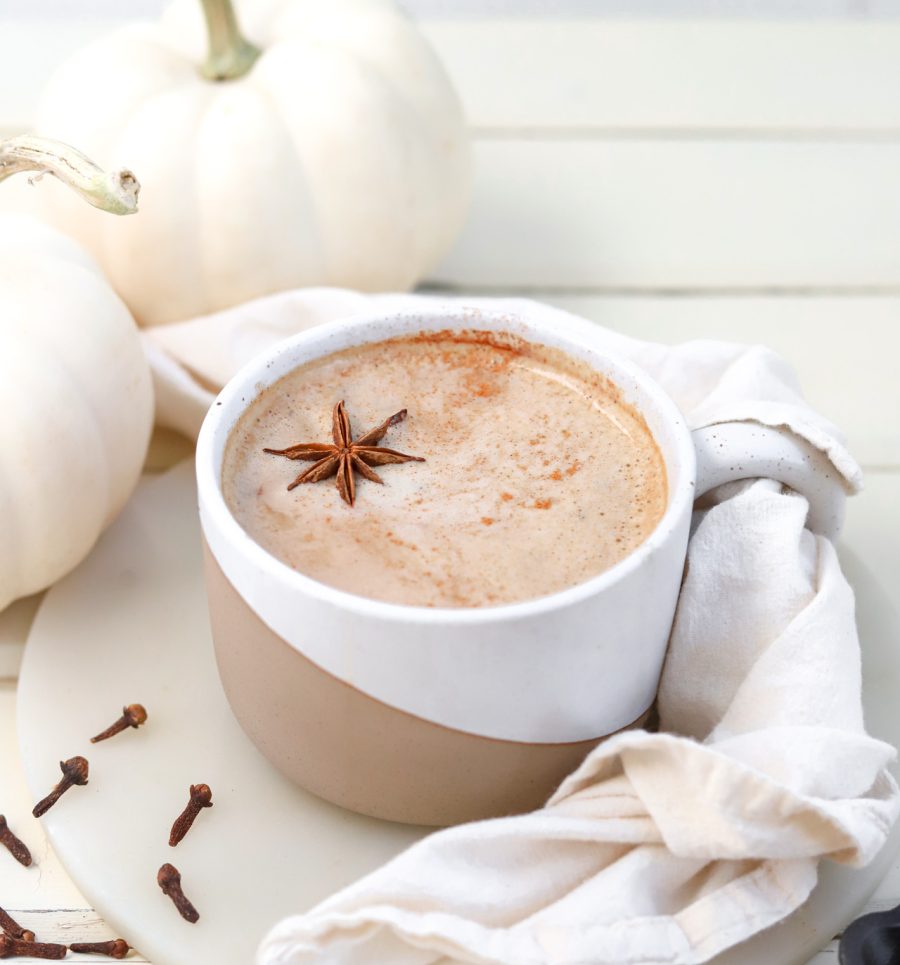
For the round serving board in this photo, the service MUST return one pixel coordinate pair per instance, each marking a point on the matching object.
(130, 625)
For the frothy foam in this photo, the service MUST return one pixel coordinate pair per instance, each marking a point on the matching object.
(537, 476)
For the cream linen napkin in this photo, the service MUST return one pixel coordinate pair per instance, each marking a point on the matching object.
(661, 848)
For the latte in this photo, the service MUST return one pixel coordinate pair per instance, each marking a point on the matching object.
(536, 476)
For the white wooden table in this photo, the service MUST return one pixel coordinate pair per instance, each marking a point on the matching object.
(671, 180)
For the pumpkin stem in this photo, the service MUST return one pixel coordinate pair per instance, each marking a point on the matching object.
(113, 191)
(231, 55)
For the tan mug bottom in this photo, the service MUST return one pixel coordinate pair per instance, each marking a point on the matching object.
(357, 752)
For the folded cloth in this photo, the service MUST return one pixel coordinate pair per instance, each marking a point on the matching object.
(662, 847)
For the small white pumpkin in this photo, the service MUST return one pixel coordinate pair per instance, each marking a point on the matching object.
(76, 401)
(330, 151)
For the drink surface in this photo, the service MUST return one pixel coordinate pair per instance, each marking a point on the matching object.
(536, 477)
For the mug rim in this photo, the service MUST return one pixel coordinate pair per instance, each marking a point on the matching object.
(245, 386)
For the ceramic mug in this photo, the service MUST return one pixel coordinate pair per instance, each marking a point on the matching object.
(436, 716)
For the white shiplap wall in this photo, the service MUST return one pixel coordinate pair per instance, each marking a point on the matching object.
(674, 179)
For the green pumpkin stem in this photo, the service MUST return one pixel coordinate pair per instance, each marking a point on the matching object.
(231, 55)
(113, 191)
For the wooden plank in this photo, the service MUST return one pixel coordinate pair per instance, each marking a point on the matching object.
(613, 74)
(666, 74)
(66, 925)
(639, 215)
(843, 349)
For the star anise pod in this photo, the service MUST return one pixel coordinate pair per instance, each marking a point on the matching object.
(347, 454)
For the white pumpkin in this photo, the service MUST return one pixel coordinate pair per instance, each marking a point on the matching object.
(333, 152)
(76, 402)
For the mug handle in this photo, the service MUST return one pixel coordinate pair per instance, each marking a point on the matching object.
(748, 450)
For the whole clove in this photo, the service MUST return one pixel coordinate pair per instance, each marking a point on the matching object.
(11, 927)
(169, 879)
(115, 949)
(16, 847)
(201, 797)
(132, 716)
(16, 948)
(75, 772)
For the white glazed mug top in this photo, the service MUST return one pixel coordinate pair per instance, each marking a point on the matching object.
(662, 416)
(569, 666)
